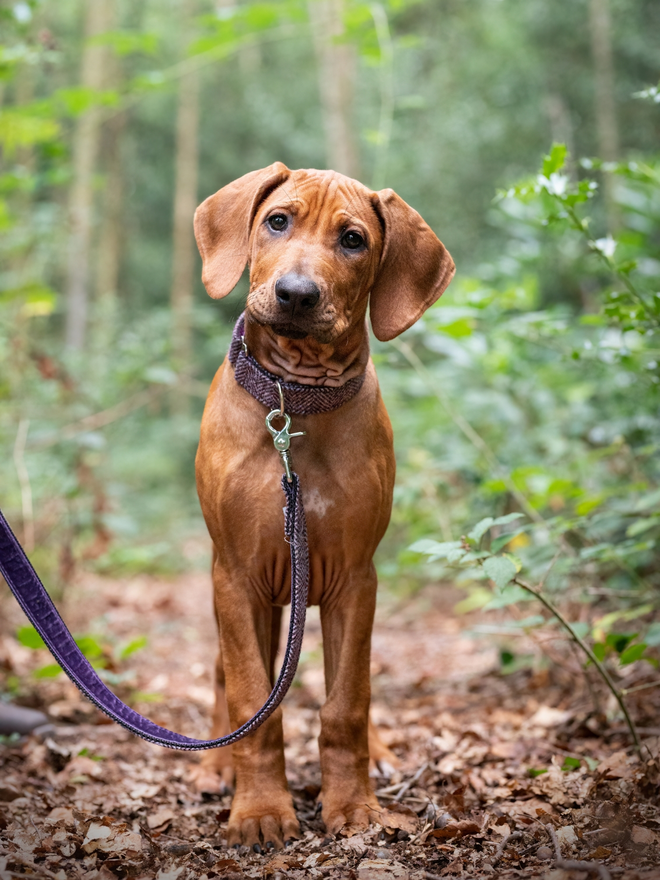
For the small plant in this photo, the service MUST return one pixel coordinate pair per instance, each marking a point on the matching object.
(106, 658)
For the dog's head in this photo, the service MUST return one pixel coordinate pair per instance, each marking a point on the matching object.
(320, 246)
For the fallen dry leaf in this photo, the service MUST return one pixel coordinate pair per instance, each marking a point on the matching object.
(643, 835)
(159, 820)
(381, 869)
(277, 863)
(398, 817)
(227, 868)
(456, 829)
(61, 815)
(546, 716)
(111, 837)
(617, 766)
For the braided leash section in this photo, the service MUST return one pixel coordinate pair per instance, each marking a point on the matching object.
(301, 400)
(31, 594)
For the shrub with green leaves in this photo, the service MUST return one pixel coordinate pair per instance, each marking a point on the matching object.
(523, 401)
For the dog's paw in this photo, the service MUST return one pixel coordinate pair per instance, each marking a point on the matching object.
(352, 817)
(263, 822)
(207, 779)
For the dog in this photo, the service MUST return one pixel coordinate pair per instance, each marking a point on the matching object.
(321, 248)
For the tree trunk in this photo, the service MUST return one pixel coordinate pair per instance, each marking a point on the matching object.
(608, 132)
(336, 66)
(185, 202)
(85, 150)
(108, 256)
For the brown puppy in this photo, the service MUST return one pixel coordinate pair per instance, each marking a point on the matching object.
(320, 247)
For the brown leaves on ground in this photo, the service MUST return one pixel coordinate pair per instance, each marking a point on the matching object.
(489, 763)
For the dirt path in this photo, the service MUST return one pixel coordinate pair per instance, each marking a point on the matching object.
(491, 765)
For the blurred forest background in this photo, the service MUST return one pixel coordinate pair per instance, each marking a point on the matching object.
(531, 388)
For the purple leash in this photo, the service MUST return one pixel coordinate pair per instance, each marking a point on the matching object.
(31, 594)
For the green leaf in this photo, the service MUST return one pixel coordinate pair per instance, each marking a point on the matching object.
(619, 641)
(28, 636)
(571, 763)
(599, 649)
(488, 522)
(500, 569)
(632, 653)
(533, 772)
(481, 528)
(133, 646)
(478, 598)
(642, 525)
(127, 42)
(85, 753)
(437, 549)
(554, 161)
(90, 647)
(507, 518)
(515, 560)
(52, 670)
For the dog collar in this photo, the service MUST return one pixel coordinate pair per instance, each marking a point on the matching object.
(299, 400)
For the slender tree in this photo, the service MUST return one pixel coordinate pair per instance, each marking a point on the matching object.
(108, 257)
(336, 70)
(185, 202)
(98, 19)
(605, 100)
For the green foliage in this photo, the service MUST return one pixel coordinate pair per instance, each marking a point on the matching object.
(585, 407)
(537, 383)
(100, 654)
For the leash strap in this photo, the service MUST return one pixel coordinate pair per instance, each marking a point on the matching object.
(31, 594)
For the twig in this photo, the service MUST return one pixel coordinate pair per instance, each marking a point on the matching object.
(100, 419)
(125, 407)
(24, 481)
(575, 864)
(401, 787)
(463, 425)
(404, 788)
(604, 674)
(640, 687)
(499, 852)
(16, 857)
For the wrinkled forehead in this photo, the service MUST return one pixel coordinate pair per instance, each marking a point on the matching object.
(322, 197)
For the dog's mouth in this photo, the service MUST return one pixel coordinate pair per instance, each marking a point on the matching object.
(291, 331)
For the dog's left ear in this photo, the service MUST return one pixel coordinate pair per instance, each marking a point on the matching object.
(223, 224)
(415, 267)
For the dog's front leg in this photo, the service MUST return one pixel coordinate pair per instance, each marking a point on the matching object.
(347, 619)
(262, 811)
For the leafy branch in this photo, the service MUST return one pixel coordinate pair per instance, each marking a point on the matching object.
(503, 569)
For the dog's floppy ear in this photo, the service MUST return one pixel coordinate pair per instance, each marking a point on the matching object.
(223, 223)
(415, 267)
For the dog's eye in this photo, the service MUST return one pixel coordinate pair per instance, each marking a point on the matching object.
(352, 240)
(278, 222)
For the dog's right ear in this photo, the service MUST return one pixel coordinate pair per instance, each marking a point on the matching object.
(223, 224)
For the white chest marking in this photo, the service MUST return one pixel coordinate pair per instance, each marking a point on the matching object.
(315, 503)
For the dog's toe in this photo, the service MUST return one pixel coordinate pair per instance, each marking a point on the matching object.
(206, 780)
(351, 818)
(267, 831)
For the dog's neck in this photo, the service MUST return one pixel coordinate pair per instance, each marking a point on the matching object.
(307, 361)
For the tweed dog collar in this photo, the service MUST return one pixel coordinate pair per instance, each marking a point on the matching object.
(299, 400)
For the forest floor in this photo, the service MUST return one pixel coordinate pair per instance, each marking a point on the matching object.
(495, 770)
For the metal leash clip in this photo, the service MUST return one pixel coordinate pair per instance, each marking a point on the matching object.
(282, 437)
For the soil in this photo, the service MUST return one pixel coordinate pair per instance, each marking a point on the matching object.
(500, 775)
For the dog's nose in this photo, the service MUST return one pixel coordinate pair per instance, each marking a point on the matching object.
(296, 293)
